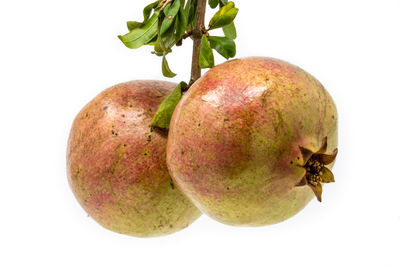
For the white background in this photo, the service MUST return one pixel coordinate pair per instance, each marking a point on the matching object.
(55, 56)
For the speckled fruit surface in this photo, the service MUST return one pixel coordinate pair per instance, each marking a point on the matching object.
(234, 140)
(116, 165)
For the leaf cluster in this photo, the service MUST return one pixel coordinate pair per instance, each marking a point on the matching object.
(167, 23)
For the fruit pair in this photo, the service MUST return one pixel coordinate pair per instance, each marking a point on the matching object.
(247, 145)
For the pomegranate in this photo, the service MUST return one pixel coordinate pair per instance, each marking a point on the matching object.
(116, 164)
(253, 141)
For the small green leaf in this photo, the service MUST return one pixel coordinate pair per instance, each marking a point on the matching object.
(206, 54)
(152, 41)
(166, 71)
(223, 3)
(165, 41)
(188, 7)
(163, 116)
(160, 47)
(133, 25)
(170, 13)
(224, 46)
(230, 31)
(224, 16)
(142, 35)
(168, 37)
(180, 24)
(213, 3)
(190, 10)
(147, 10)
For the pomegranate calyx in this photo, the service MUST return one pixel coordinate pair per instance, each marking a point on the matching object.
(316, 172)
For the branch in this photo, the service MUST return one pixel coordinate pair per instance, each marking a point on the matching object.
(186, 35)
(197, 34)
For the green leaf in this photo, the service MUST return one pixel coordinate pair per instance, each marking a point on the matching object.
(163, 116)
(165, 41)
(230, 31)
(223, 3)
(180, 24)
(168, 37)
(147, 10)
(188, 7)
(206, 54)
(190, 11)
(166, 71)
(224, 16)
(159, 46)
(152, 41)
(224, 46)
(213, 3)
(142, 35)
(170, 12)
(133, 25)
(146, 14)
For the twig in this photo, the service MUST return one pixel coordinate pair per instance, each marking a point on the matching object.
(197, 34)
(186, 35)
(164, 3)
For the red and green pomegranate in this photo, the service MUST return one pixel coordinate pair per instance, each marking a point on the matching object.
(252, 141)
(116, 164)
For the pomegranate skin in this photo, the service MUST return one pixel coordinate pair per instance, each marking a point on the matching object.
(116, 165)
(233, 145)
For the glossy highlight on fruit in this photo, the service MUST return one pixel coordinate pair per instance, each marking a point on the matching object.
(116, 164)
(244, 140)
